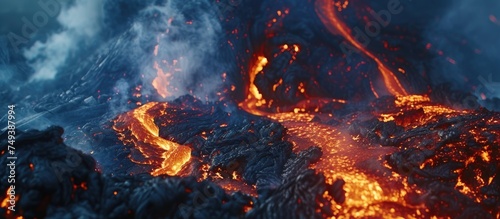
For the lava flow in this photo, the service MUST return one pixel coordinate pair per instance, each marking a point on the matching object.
(138, 128)
(326, 11)
(371, 190)
(290, 124)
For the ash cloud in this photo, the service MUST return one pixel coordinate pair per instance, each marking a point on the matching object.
(118, 104)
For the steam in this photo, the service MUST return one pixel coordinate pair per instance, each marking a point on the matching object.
(118, 104)
(186, 36)
(81, 23)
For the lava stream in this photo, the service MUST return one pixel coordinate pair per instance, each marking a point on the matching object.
(168, 156)
(326, 12)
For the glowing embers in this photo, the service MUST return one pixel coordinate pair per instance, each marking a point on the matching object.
(326, 12)
(137, 127)
(276, 22)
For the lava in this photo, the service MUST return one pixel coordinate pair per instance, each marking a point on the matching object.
(400, 156)
(370, 190)
(326, 12)
(254, 98)
(254, 92)
(137, 127)
(341, 155)
(415, 103)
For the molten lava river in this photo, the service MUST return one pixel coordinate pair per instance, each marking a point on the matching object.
(370, 189)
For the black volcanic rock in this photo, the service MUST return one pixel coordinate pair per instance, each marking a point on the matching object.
(454, 158)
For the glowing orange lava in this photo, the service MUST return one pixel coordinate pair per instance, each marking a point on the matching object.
(410, 103)
(371, 190)
(326, 12)
(138, 127)
(254, 92)
(254, 98)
